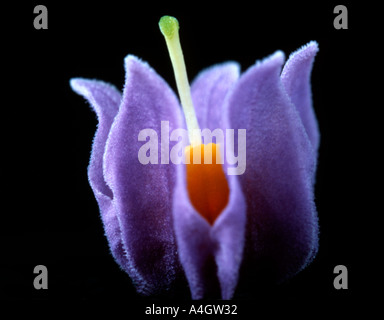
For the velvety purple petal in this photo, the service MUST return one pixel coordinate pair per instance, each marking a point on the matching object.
(194, 242)
(143, 193)
(209, 90)
(105, 100)
(277, 183)
(210, 255)
(296, 80)
(228, 233)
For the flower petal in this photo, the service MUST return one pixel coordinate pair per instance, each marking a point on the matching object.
(209, 90)
(105, 100)
(296, 80)
(143, 193)
(229, 235)
(281, 216)
(211, 256)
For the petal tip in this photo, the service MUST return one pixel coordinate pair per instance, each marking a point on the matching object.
(86, 87)
(132, 61)
(311, 48)
(78, 85)
(229, 66)
(134, 64)
(273, 61)
(276, 58)
(130, 58)
(307, 51)
(314, 45)
(278, 55)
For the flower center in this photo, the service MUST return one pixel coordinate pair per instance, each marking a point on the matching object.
(206, 182)
(207, 185)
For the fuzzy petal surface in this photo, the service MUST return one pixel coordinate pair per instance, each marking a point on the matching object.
(296, 76)
(208, 91)
(143, 193)
(105, 100)
(282, 230)
(228, 233)
(210, 255)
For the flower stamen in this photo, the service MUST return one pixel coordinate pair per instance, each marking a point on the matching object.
(206, 182)
(169, 27)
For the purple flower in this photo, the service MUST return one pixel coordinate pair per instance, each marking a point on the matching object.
(155, 233)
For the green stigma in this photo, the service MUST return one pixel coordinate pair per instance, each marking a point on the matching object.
(168, 26)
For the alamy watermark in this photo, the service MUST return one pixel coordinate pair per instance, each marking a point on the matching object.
(41, 280)
(236, 161)
(41, 19)
(341, 20)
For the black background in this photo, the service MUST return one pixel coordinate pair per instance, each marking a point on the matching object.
(49, 214)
